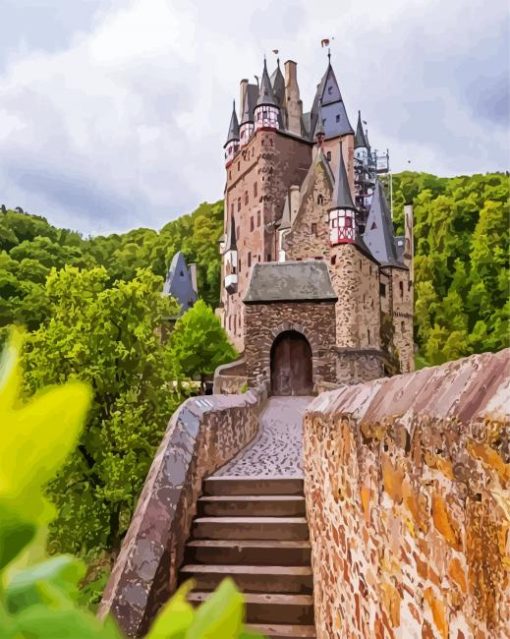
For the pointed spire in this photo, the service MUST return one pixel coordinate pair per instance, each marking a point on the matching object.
(342, 198)
(378, 235)
(233, 129)
(231, 243)
(266, 95)
(360, 140)
(285, 220)
(278, 84)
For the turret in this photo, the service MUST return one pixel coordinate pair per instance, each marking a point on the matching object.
(360, 142)
(342, 214)
(231, 146)
(267, 111)
(230, 261)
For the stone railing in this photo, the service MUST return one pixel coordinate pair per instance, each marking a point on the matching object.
(203, 434)
(407, 483)
(231, 378)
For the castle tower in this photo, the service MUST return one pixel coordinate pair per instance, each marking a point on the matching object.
(267, 112)
(354, 272)
(396, 286)
(231, 146)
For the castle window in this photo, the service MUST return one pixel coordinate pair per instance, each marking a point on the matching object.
(319, 257)
(401, 289)
(269, 257)
(328, 156)
(348, 224)
(181, 273)
(229, 322)
(382, 290)
(330, 90)
(258, 218)
(253, 152)
(246, 199)
(320, 199)
(338, 118)
(239, 265)
(368, 335)
(333, 260)
(238, 204)
(314, 228)
(232, 209)
(229, 174)
(249, 260)
(239, 166)
(252, 223)
(403, 327)
(255, 189)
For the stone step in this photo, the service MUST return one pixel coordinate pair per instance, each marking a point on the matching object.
(248, 552)
(264, 608)
(278, 631)
(253, 486)
(251, 506)
(280, 579)
(292, 528)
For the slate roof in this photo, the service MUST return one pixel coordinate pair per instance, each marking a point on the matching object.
(360, 139)
(266, 95)
(278, 84)
(342, 198)
(329, 105)
(231, 242)
(290, 282)
(179, 284)
(250, 101)
(378, 234)
(233, 129)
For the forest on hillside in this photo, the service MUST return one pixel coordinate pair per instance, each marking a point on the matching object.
(92, 308)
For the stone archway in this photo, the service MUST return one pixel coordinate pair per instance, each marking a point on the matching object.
(291, 365)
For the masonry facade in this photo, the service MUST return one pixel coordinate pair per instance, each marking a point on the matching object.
(303, 188)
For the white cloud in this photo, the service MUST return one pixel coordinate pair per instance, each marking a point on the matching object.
(125, 125)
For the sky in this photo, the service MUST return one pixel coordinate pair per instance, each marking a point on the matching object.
(113, 113)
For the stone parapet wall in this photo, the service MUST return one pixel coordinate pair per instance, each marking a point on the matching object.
(407, 483)
(231, 379)
(203, 434)
(355, 365)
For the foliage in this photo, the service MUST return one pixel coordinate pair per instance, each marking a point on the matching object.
(38, 601)
(107, 336)
(198, 343)
(461, 261)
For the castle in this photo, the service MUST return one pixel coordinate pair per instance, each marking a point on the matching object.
(315, 286)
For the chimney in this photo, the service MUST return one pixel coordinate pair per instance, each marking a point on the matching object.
(292, 99)
(193, 275)
(242, 95)
(294, 201)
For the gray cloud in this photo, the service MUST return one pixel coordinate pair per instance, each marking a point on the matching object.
(113, 114)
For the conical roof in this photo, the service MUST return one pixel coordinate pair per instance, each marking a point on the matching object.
(378, 234)
(231, 243)
(266, 94)
(328, 104)
(233, 129)
(278, 84)
(360, 140)
(342, 198)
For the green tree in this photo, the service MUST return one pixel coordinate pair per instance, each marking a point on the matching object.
(199, 344)
(108, 337)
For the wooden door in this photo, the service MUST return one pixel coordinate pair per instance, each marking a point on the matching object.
(291, 365)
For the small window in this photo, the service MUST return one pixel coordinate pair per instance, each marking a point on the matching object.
(269, 257)
(252, 223)
(246, 199)
(253, 152)
(320, 199)
(232, 209)
(258, 218)
(181, 273)
(255, 189)
(330, 90)
(314, 228)
(318, 257)
(229, 174)
(368, 335)
(382, 290)
(249, 260)
(360, 262)
(348, 225)
(401, 284)
(403, 327)
(239, 166)
(338, 118)
(333, 260)
(238, 203)
(328, 156)
(239, 265)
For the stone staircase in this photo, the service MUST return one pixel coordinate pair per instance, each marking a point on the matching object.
(255, 531)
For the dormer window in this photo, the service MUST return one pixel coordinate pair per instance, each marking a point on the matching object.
(338, 118)
(330, 90)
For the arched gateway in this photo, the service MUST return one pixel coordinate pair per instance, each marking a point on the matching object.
(291, 365)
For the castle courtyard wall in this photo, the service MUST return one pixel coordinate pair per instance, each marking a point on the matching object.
(407, 485)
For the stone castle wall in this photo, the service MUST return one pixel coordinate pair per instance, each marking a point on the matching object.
(203, 434)
(407, 483)
(314, 320)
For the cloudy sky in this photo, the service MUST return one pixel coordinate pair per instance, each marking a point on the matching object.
(113, 113)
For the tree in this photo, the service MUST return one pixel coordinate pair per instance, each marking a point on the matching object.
(106, 336)
(198, 344)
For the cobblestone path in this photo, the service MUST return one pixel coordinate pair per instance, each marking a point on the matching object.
(277, 449)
